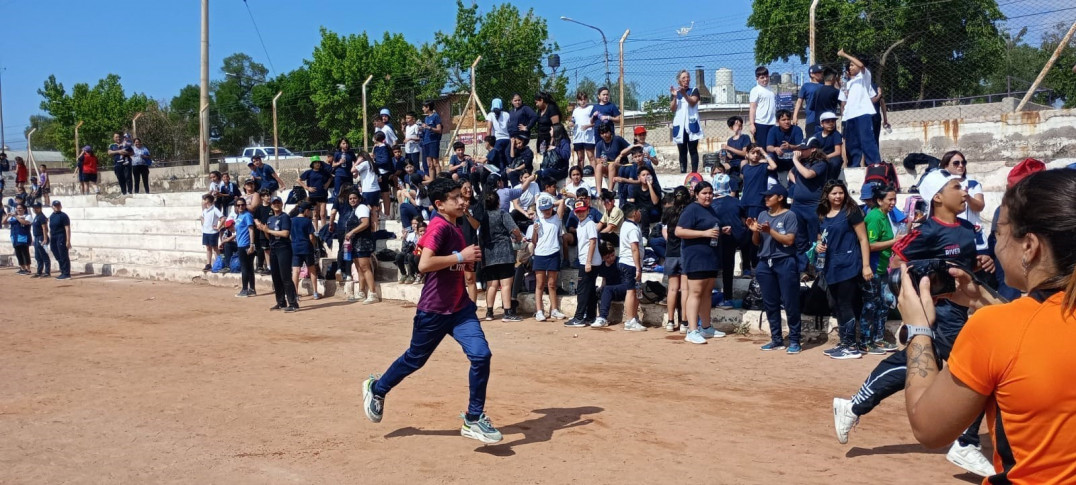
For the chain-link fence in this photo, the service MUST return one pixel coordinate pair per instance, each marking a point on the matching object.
(949, 73)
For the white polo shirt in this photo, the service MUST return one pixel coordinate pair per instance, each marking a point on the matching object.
(857, 96)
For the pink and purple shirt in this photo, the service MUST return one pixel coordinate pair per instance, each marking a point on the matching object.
(444, 291)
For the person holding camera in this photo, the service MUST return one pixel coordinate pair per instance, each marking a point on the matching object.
(1012, 358)
(945, 238)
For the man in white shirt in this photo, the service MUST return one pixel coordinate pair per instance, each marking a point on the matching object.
(859, 139)
(763, 114)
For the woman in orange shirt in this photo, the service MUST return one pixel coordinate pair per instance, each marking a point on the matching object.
(1012, 359)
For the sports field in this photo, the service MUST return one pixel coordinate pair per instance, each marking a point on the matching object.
(117, 380)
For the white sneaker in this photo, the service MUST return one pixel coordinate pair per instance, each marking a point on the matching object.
(633, 325)
(670, 326)
(695, 337)
(557, 315)
(843, 418)
(683, 328)
(360, 295)
(370, 299)
(599, 323)
(970, 458)
(539, 316)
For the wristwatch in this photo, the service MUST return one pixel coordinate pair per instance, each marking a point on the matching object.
(906, 332)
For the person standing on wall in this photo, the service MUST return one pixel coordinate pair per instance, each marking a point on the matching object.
(606, 112)
(686, 128)
(121, 151)
(762, 115)
(806, 101)
(858, 114)
(87, 163)
(431, 139)
(140, 162)
(344, 159)
(278, 230)
(582, 128)
(60, 239)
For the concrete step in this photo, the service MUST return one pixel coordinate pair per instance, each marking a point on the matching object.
(141, 242)
(166, 258)
(179, 228)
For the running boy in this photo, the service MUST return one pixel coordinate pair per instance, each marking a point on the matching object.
(443, 309)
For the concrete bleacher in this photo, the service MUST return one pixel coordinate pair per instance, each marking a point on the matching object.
(158, 236)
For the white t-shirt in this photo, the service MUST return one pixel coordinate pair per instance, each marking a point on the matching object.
(857, 96)
(500, 126)
(361, 211)
(412, 139)
(580, 118)
(974, 188)
(630, 233)
(210, 219)
(587, 234)
(390, 135)
(529, 196)
(549, 231)
(766, 108)
(367, 177)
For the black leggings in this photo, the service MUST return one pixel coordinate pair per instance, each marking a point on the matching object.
(283, 287)
(407, 263)
(246, 267)
(729, 245)
(845, 300)
(140, 172)
(684, 146)
(22, 253)
(343, 264)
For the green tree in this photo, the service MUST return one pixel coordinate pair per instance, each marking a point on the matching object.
(512, 45)
(46, 136)
(297, 118)
(403, 76)
(921, 49)
(103, 109)
(235, 120)
(1060, 78)
(590, 86)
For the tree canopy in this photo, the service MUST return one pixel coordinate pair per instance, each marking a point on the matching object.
(104, 109)
(929, 49)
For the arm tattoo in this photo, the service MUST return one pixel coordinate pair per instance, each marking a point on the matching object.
(921, 360)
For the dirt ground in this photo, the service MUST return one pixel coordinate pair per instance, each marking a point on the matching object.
(107, 379)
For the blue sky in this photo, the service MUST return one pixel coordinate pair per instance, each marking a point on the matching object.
(154, 45)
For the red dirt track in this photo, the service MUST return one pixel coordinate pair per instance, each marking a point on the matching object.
(116, 380)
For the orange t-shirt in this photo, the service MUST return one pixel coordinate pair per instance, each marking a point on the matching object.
(1021, 355)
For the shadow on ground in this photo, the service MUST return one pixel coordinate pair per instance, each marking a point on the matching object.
(535, 430)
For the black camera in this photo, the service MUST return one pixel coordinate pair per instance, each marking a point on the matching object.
(937, 270)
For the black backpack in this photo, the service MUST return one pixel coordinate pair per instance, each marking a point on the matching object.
(653, 292)
(882, 174)
(753, 299)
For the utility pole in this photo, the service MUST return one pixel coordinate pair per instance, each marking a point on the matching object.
(203, 112)
(3, 141)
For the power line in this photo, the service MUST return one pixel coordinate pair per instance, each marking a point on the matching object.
(259, 32)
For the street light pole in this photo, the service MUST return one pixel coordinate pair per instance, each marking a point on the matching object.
(203, 94)
(604, 42)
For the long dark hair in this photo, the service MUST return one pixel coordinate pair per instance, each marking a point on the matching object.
(492, 200)
(1057, 227)
(848, 207)
(681, 197)
(559, 133)
(945, 159)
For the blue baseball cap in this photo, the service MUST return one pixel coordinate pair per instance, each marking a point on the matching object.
(776, 189)
(496, 104)
(867, 192)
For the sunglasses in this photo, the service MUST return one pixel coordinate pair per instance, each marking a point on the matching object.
(958, 162)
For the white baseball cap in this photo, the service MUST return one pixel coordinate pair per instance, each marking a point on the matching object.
(933, 183)
(828, 115)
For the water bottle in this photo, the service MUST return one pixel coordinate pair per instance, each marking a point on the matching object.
(571, 287)
(639, 291)
(820, 257)
(714, 241)
(347, 250)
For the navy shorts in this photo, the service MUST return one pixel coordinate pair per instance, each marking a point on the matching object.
(701, 275)
(546, 263)
(210, 239)
(363, 254)
(372, 198)
(317, 199)
(673, 266)
(429, 150)
(88, 177)
(385, 181)
(582, 146)
(297, 260)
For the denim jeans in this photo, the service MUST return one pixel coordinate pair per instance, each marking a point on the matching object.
(875, 309)
(429, 329)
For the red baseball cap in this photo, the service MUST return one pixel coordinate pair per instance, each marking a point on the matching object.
(639, 130)
(1025, 168)
(581, 206)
